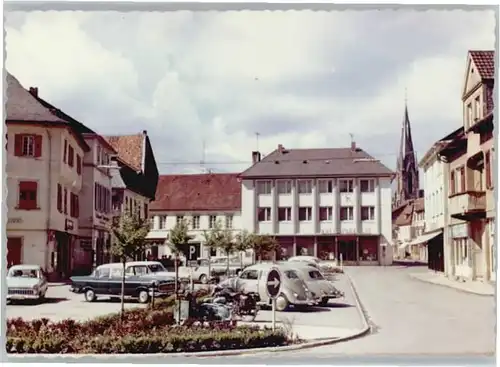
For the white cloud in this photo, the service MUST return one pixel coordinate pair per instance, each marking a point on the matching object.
(302, 79)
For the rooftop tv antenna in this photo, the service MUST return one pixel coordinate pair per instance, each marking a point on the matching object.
(257, 134)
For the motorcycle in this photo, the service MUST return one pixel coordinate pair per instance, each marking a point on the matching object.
(242, 305)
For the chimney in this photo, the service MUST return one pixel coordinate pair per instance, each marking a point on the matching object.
(255, 157)
(353, 146)
(280, 148)
(34, 91)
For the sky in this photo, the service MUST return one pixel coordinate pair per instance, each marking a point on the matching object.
(204, 84)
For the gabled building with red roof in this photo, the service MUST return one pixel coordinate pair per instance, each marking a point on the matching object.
(202, 200)
(470, 249)
(44, 181)
(329, 203)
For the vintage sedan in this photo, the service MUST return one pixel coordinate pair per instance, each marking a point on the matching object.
(316, 282)
(106, 280)
(294, 290)
(26, 282)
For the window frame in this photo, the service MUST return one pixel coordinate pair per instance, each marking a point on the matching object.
(325, 186)
(329, 212)
(264, 187)
(349, 185)
(348, 209)
(371, 213)
(229, 221)
(370, 183)
(308, 211)
(308, 186)
(212, 221)
(264, 210)
(195, 222)
(287, 184)
(287, 211)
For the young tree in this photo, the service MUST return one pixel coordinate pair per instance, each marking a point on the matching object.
(128, 232)
(210, 243)
(178, 241)
(263, 244)
(226, 243)
(243, 242)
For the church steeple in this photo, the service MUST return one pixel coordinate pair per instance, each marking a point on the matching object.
(407, 167)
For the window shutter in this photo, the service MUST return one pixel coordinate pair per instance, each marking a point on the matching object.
(77, 206)
(487, 163)
(452, 182)
(18, 145)
(65, 152)
(28, 185)
(38, 145)
(96, 194)
(78, 164)
(65, 201)
(59, 198)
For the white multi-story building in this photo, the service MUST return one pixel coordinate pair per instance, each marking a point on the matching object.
(436, 187)
(44, 182)
(330, 203)
(200, 199)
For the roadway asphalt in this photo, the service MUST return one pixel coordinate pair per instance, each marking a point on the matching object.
(408, 317)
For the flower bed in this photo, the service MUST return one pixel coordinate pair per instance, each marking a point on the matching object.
(151, 330)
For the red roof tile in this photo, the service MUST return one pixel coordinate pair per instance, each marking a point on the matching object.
(405, 216)
(129, 148)
(485, 63)
(198, 192)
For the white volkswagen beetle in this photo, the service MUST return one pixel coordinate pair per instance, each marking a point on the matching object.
(26, 282)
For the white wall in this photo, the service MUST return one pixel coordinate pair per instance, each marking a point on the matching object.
(158, 232)
(380, 200)
(435, 194)
(48, 170)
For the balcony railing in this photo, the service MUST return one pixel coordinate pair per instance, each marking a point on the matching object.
(467, 204)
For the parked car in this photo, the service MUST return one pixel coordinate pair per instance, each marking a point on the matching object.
(294, 290)
(106, 280)
(154, 269)
(26, 282)
(218, 266)
(325, 266)
(317, 283)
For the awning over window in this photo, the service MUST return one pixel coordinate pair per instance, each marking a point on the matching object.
(424, 238)
(404, 245)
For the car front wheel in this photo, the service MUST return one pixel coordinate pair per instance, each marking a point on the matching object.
(281, 303)
(143, 296)
(203, 279)
(90, 295)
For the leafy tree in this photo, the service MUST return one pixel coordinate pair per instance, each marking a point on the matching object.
(243, 242)
(178, 241)
(128, 234)
(227, 244)
(211, 244)
(264, 244)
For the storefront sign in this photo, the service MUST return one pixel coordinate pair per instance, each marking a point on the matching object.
(459, 231)
(347, 230)
(69, 225)
(15, 220)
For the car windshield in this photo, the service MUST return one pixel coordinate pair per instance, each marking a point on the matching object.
(156, 267)
(316, 275)
(24, 273)
(291, 274)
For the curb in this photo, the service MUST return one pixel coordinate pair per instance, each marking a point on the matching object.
(312, 344)
(451, 287)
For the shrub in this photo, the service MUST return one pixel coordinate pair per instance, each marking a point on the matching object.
(159, 342)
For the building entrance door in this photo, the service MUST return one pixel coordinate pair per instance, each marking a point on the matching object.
(347, 250)
(14, 251)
